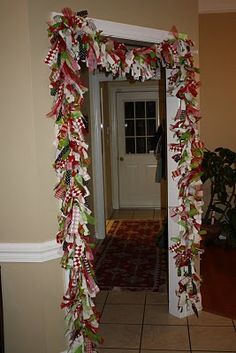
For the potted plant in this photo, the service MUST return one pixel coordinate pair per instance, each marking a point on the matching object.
(219, 220)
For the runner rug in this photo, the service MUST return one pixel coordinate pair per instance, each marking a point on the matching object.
(129, 258)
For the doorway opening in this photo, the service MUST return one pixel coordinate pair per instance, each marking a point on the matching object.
(135, 198)
(131, 114)
(172, 105)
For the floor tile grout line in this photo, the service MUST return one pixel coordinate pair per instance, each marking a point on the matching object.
(105, 301)
(125, 303)
(130, 349)
(189, 337)
(210, 325)
(157, 304)
(165, 325)
(130, 324)
(208, 351)
(156, 350)
(141, 333)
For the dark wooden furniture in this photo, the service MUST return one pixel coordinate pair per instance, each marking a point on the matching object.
(218, 288)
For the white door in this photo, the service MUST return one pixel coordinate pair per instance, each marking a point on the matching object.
(138, 119)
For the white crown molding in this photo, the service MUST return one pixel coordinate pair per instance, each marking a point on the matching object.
(30, 252)
(131, 32)
(126, 31)
(216, 6)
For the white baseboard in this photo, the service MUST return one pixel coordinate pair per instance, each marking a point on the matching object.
(30, 252)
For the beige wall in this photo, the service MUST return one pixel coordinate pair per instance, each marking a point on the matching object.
(32, 292)
(218, 76)
(33, 321)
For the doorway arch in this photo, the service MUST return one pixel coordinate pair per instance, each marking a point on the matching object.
(184, 201)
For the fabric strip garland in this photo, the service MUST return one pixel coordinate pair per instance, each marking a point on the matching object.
(75, 41)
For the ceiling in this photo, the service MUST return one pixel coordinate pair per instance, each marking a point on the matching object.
(216, 6)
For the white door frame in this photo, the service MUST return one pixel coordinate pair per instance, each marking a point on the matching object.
(150, 35)
(97, 160)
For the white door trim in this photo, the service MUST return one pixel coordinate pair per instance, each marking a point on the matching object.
(97, 160)
(96, 144)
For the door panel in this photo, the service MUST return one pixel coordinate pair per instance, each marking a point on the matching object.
(138, 118)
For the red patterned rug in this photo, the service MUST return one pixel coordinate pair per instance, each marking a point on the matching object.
(128, 257)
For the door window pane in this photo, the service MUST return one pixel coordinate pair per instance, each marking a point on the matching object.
(150, 146)
(129, 128)
(129, 110)
(151, 126)
(151, 109)
(141, 145)
(129, 145)
(140, 109)
(140, 128)
(140, 122)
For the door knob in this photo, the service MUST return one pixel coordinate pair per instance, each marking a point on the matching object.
(121, 159)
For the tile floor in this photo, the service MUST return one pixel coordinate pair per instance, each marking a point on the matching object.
(138, 322)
